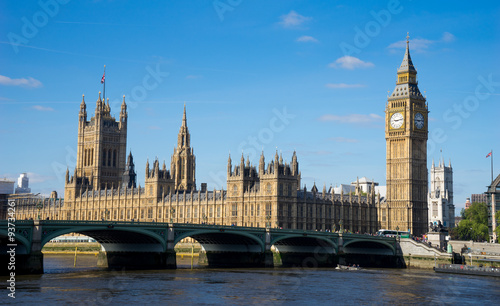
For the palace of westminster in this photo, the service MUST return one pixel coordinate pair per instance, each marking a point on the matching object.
(103, 184)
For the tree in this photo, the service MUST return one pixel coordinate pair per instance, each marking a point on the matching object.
(474, 225)
(477, 212)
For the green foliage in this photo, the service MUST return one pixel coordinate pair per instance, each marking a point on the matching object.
(477, 212)
(474, 225)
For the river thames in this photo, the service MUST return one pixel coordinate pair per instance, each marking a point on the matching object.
(87, 285)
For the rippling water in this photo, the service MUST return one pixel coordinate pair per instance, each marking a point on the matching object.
(85, 284)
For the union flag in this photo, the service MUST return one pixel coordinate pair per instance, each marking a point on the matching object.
(489, 154)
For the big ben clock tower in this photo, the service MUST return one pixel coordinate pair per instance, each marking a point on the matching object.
(406, 134)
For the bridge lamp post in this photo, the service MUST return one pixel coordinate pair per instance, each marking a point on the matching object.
(397, 233)
(268, 223)
(172, 212)
(39, 206)
(106, 214)
(341, 224)
(204, 217)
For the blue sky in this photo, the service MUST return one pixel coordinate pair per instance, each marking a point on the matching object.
(288, 75)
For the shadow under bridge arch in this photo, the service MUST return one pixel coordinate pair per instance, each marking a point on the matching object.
(304, 251)
(226, 248)
(114, 238)
(370, 253)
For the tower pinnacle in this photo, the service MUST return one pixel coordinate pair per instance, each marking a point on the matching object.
(407, 64)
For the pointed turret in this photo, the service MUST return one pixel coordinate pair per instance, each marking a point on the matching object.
(83, 111)
(183, 137)
(229, 165)
(407, 85)
(83, 106)
(294, 164)
(407, 64)
(129, 176)
(123, 111)
(147, 168)
(98, 105)
(184, 119)
(262, 163)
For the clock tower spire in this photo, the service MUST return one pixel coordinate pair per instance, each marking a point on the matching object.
(406, 136)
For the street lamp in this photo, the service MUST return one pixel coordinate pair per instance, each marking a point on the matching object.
(172, 212)
(39, 206)
(268, 224)
(106, 214)
(341, 224)
(397, 233)
(204, 217)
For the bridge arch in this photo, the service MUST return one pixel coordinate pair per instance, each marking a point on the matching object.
(305, 250)
(373, 245)
(229, 236)
(224, 247)
(108, 235)
(325, 240)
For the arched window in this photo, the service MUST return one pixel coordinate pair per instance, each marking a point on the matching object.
(114, 158)
(92, 157)
(104, 157)
(109, 158)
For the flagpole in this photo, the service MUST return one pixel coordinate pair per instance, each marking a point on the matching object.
(492, 166)
(104, 85)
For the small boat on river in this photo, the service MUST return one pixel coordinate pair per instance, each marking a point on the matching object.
(343, 267)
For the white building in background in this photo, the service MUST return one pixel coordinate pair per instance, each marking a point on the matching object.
(6, 186)
(440, 197)
(364, 185)
(23, 184)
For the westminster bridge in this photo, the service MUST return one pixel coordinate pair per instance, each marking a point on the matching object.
(150, 245)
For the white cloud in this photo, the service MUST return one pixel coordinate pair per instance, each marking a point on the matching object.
(422, 44)
(343, 85)
(38, 178)
(448, 37)
(306, 38)
(29, 82)
(352, 118)
(350, 62)
(343, 139)
(42, 108)
(293, 19)
(417, 44)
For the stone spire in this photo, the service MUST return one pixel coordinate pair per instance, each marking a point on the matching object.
(262, 163)
(184, 120)
(83, 106)
(183, 137)
(407, 64)
(123, 111)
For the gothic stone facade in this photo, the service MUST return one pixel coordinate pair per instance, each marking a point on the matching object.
(103, 187)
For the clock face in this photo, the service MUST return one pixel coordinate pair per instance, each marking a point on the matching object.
(397, 120)
(419, 120)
